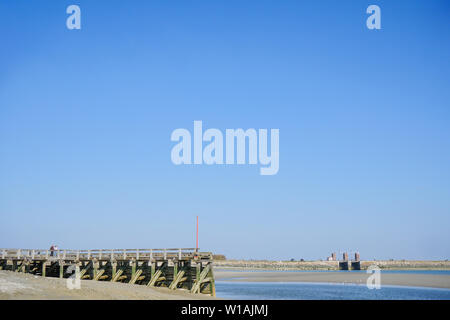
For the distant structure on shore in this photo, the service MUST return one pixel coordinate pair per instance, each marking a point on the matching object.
(333, 257)
(345, 264)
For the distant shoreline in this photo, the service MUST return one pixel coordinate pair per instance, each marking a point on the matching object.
(331, 265)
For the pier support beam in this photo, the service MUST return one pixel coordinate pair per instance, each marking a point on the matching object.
(61, 269)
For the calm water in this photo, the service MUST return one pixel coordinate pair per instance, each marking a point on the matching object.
(325, 291)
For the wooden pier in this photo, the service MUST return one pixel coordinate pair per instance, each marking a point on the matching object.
(183, 268)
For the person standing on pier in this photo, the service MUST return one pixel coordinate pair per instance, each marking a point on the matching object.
(52, 250)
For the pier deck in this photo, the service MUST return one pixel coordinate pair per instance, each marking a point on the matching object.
(180, 268)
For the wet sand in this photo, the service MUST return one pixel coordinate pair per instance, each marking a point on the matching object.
(397, 279)
(23, 286)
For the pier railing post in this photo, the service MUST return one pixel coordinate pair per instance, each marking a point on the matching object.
(18, 254)
(3, 254)
(179, 254)
(165, 254)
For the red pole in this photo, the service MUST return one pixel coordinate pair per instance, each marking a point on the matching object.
(197, 235)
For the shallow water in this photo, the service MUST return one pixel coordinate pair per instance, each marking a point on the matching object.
(324, 291)
(329, 291)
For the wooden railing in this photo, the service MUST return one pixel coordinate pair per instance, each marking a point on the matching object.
(104, 254)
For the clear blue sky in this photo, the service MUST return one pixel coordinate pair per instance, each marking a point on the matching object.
(364, 117)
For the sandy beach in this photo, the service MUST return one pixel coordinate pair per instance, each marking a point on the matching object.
(15, 285)
(397, 279)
